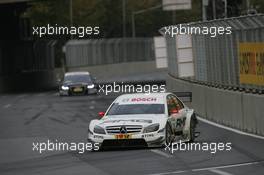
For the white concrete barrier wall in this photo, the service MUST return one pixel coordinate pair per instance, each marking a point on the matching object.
(121, 69)
(224, 107)
(48, 79)
(253, 109)
(235, 109)
(199, 100)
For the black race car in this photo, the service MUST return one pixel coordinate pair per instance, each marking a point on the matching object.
(78, 83)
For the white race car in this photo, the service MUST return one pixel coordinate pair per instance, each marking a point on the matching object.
(141, 119)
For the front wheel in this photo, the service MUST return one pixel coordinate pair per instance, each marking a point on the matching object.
(192, 130)
(168, 135)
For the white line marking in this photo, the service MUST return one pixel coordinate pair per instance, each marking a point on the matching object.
(7, 106)
(161, 153)
(230, 129)
(228, 166)
(210, 168)
(167, 173)
(219, 172)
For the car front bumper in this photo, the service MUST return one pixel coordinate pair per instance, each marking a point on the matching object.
(153, 139)
(84, 92)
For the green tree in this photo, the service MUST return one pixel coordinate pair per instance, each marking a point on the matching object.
(258, 5)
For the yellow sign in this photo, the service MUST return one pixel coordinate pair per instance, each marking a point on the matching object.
(251, 63)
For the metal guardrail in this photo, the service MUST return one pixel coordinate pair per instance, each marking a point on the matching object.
(251, 90)
(81, 53)
(216, 60)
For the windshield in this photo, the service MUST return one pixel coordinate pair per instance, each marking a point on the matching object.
(77, 79)
(123, 109)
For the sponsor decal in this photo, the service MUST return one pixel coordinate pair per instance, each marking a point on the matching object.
(251, 63)
(143, 99)
(147, 135)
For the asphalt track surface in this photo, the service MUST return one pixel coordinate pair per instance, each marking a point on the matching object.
(31, 117)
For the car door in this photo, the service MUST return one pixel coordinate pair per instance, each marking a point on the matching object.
(176, 113)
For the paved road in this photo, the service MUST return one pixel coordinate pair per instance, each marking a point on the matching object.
(36, 117)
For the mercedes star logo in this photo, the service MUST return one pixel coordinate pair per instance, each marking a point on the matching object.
(123, 130)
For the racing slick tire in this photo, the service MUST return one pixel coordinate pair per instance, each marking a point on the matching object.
(168, 134)
(192, 129)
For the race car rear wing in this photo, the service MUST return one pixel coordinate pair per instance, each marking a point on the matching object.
(184, 96)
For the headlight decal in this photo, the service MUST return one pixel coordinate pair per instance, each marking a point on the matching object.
(99, 130)
(151, 128)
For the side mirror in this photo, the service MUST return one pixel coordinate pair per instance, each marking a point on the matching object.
(101, 114)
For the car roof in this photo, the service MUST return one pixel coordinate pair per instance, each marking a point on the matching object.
(142, 98)
(77, 73)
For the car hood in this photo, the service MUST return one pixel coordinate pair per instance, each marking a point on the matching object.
(143, 120)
